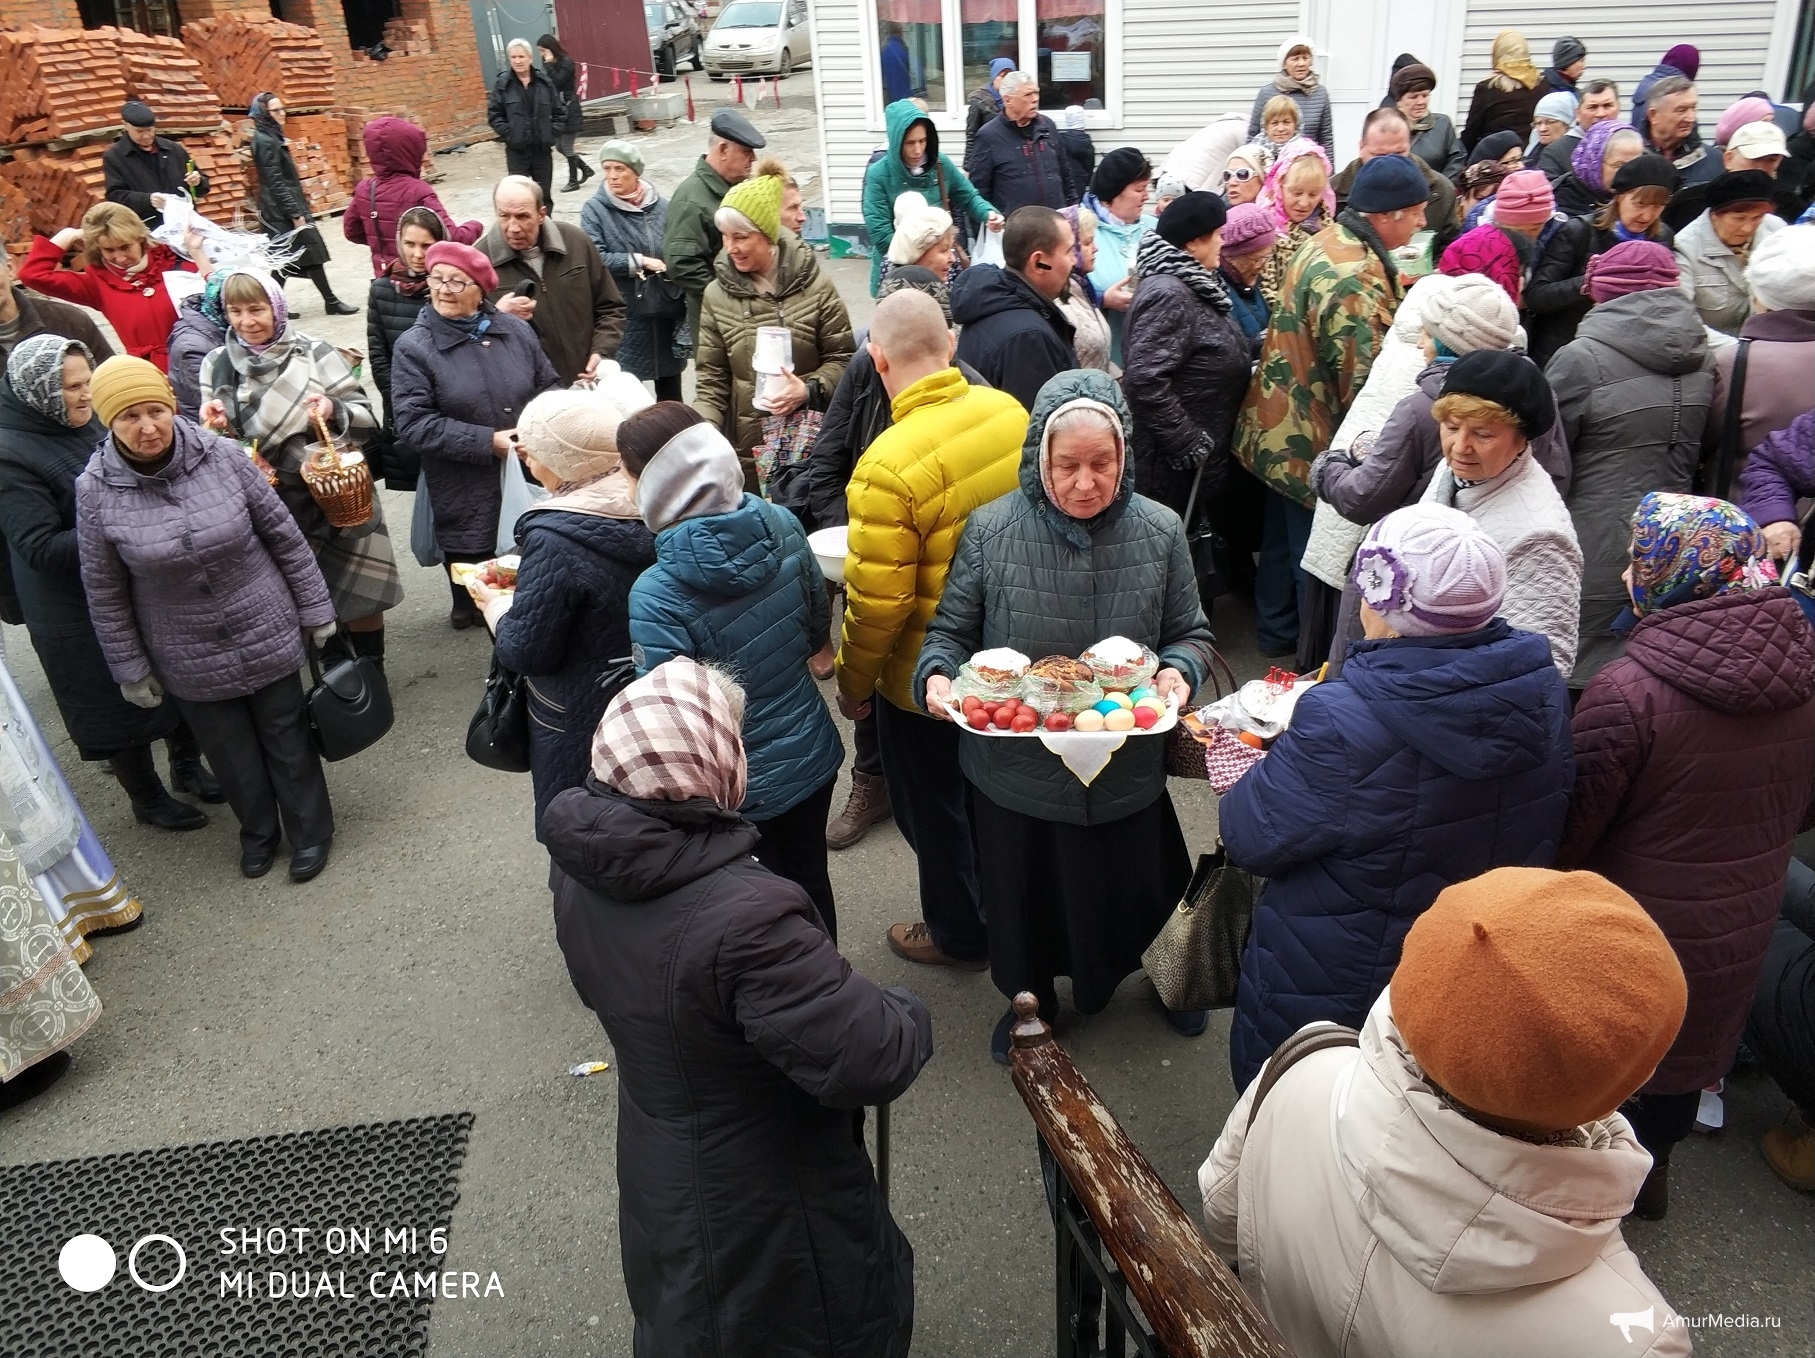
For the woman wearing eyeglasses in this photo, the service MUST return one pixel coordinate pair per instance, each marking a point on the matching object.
(460, 378)
(1244, 174)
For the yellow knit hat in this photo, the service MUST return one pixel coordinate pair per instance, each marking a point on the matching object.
(123, 381)
(759, 199)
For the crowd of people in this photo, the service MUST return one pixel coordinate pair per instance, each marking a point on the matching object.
(1505, 430)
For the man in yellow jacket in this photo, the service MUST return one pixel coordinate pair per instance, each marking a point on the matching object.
(952, 448)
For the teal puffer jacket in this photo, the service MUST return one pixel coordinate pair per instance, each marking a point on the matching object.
(743, 591)
(1028, 576)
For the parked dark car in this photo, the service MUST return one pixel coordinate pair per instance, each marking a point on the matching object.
(674, 35)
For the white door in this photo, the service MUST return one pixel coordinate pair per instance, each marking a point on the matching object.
(1356, 41)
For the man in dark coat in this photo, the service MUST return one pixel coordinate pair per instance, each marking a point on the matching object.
(1385, 132)
(24, 313)
(1598, 101)
(749, 1216)
(574, 306)
(1568, 59)
(1014, 333)
(1017, 160)
(524, 109)
(1669, 128)
(690, 237)
(142, 167)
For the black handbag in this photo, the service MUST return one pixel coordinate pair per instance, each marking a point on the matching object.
(1195, 962)
(653, 297)
(349, 705)
(498, 734)
(1201, 538)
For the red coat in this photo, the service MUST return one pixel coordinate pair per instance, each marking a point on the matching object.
(138, 308)
(1694, 755)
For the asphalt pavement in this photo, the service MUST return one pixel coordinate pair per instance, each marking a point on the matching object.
(419, 974)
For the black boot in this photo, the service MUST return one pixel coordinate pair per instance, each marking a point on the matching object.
(335, 307)
(28, 1084)
(575, 171)
(151, 804)
(187, 771)
(369, 644)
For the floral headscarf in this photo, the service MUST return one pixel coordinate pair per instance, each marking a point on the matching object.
(1272, 189)
(1586, 159)
(1693, 547)
(35, 371)
(1078, 271)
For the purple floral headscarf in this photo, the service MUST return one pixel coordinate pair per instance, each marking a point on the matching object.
(1692, 547)
(1585, 160)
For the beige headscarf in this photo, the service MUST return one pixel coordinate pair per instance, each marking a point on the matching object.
(1512, 58)
(671, 736)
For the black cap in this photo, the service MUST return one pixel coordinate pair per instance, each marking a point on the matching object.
(1507, 379)
(1191, 215)
(733, 126)
(1117, 170)
(1737, 187)
(1647, 171)
(135, 114)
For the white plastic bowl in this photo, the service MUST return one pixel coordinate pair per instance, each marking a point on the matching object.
(829, 546)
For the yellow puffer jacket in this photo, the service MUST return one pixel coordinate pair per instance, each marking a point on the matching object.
(952, 448)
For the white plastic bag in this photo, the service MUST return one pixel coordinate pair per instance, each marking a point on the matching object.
(520, 495)
(989, 249)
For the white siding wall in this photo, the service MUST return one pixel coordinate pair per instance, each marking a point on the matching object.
(1625, 40)
(1184, 63)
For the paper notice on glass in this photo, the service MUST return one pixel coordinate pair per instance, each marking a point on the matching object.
(1071, 68)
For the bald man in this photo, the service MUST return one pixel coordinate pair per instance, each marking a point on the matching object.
(952, 448)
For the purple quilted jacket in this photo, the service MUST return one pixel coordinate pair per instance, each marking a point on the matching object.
(196, 574)
(1693, 758)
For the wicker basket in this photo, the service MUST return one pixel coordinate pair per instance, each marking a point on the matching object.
(342, 489)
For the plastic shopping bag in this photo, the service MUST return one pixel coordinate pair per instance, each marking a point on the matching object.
(989, 249)
(422, 528)
(520, 495)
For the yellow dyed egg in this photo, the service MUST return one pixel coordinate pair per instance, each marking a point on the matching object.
(1122, 719)
(1157, 703)
(1121, 700)
(1088, 720)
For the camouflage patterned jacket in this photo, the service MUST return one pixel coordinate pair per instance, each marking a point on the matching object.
(1337, 300)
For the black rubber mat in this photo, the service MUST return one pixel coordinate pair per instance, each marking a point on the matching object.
(358, 1208)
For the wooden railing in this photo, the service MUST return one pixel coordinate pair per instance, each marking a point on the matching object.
(1121, 1237)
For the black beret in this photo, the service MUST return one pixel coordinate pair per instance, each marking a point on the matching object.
(1647, 171)
(135, 114)
(1117, 170)
(1191, 215)
(1736, 187)
(1507, 379)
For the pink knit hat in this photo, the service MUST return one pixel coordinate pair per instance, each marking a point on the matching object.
(1751, 109)
(1524, 199)
(1631, 266)
(1248, 230)
(469, 261)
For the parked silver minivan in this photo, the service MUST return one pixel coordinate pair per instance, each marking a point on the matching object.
(758, 37)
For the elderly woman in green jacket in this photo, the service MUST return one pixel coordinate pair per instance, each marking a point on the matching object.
(1078, 879)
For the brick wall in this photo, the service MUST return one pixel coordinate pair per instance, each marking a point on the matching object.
(50, 13)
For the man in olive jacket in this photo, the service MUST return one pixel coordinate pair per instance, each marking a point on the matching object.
(690, 237)
(575, 308)
(952, 448)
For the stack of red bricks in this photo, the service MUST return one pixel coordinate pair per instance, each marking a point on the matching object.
(59, 185)
(15, 217)
(231, 182)
(57, 84)
(243, 55)
(162, 74)
(320, 153)
(407, 37)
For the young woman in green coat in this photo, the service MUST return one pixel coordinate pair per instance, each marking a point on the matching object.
(914, 163)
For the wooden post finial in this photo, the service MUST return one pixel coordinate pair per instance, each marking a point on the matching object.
(1030, 1030)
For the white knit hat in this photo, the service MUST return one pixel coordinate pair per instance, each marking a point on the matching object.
(1430, 570)
(572, 433)
(1782, 272)
(918, 227)
(1474, 314)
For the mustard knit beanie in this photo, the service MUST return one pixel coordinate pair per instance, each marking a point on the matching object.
(759, 199)
(123, 382)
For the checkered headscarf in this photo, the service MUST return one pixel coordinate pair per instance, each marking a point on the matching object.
(672, 736)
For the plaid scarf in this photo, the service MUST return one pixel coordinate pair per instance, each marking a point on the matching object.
(671, 736)
(1157, 255)
(264, 392)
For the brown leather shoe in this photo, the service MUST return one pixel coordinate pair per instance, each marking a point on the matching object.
(867, 805)
(915, 943)
(1789, 1150)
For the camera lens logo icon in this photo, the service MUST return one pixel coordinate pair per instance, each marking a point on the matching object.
(87, 1263)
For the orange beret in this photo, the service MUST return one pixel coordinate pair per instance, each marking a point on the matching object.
(1543, 997)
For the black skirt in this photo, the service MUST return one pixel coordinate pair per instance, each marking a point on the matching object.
(1082, 901)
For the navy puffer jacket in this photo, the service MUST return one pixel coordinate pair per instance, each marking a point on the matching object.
(743, 590)
(1431, 761)
(569, 619)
